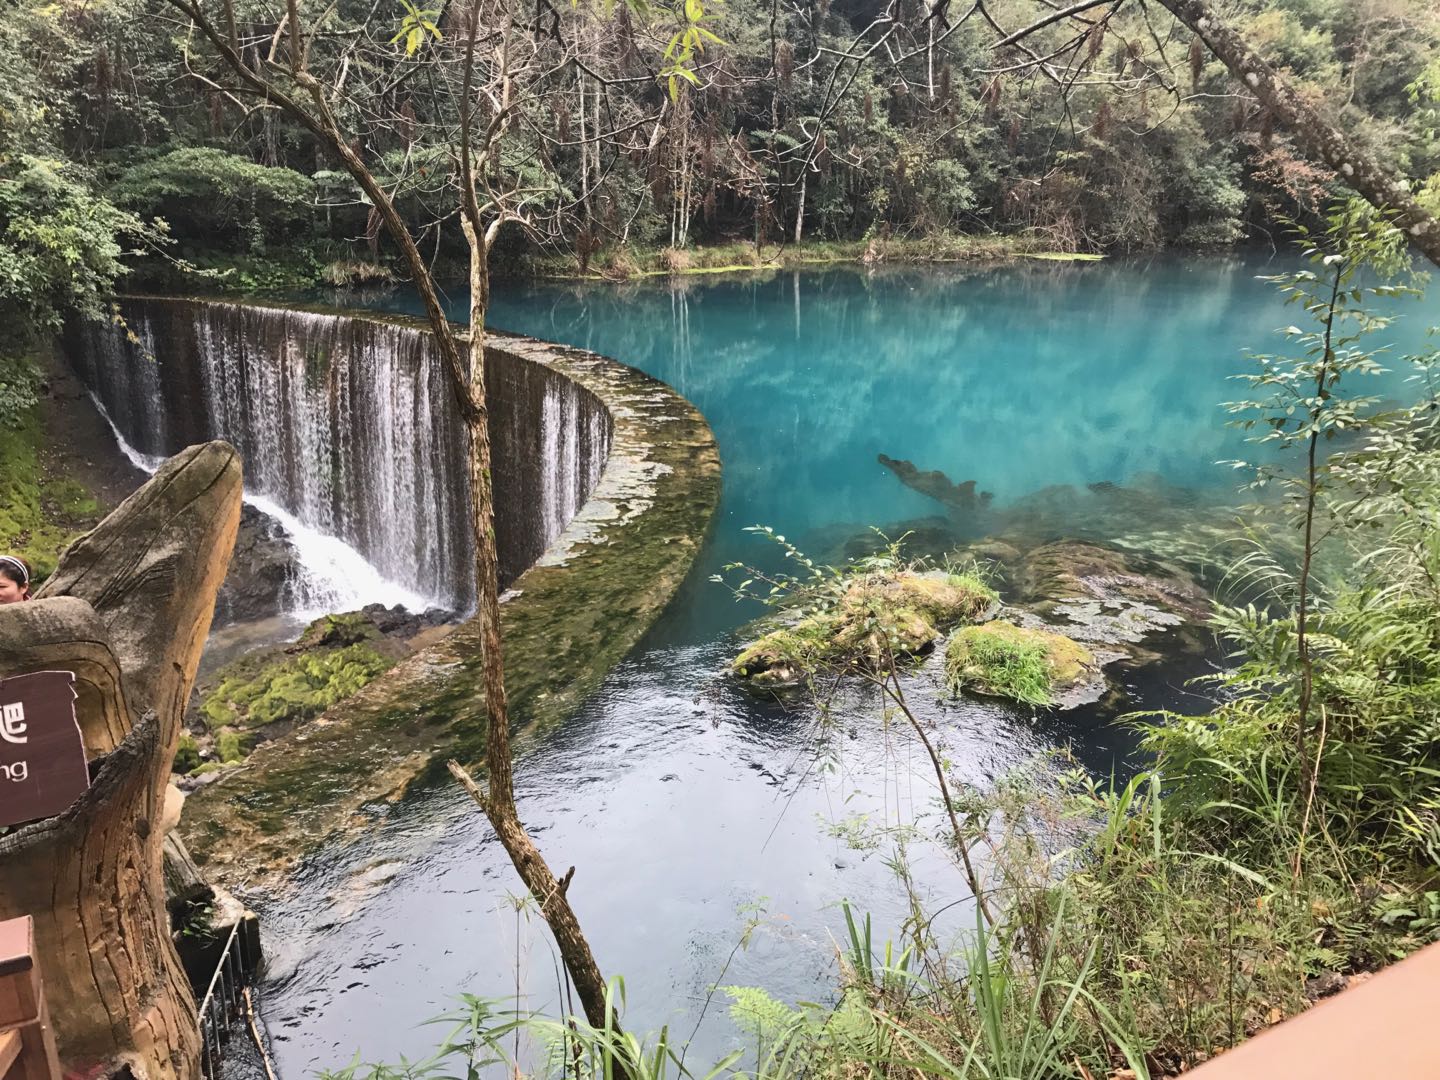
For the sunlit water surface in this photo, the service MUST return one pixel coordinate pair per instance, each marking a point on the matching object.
(689, 809)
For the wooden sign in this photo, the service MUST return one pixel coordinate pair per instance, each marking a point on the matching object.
(42, 756)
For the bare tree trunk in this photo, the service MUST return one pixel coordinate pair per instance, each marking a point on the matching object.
(499, 804)
(1320, 139)
(800, 203)
(128, 610)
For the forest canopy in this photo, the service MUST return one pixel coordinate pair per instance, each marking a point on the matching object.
(645, 126)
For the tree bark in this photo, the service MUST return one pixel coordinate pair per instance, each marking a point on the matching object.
(499, 804)
(1319, 138)
(128, 610)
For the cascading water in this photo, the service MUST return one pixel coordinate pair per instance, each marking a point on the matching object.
(350, 439)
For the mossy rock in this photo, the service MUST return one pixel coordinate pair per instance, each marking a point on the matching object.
(212, 767)
(782, 658)
(945, 600)
(1024, 664)
(1060, 575)
(876, 621)
(187, 754)
(336, 631)
(295, 688)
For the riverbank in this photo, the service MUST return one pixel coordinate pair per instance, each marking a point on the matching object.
(747, 257)
(302, 269)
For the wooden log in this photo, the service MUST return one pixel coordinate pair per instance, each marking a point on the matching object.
(92, 877)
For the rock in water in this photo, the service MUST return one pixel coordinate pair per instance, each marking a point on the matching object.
(1105, 596)
(938, 486)
(261, 572)
(1024, 664)
(877, 619)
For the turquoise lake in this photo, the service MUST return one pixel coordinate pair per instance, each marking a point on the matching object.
(688, 807)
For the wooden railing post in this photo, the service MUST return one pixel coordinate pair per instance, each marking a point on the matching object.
(27, 1041)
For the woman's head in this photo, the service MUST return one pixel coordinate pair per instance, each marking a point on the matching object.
(14, 579)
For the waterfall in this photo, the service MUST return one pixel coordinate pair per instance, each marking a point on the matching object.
(350, 438)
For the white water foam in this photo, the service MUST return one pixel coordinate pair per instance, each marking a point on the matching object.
(333, 575)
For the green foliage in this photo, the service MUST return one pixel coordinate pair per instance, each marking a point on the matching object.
(203, 189)
(19, 383)
(293, 689)
(416, 23)
(60, 249)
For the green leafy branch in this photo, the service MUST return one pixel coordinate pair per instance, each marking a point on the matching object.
(415, 25)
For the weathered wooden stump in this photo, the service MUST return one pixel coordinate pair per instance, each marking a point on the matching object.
(128, 610)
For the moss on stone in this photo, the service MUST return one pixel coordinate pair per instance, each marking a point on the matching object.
(187, 754)
(945, 600)
(1023, 664)
(227, 745)
(39, 514)
(348, 628)
(783, 657)
(212, 766)
(876, 620)
(295, 688)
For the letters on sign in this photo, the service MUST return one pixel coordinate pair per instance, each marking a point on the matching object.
(42, 754)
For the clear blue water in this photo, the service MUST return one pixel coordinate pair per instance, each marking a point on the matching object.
(683, 802)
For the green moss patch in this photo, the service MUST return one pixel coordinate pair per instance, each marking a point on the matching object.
(40, 514)
(296, 688)
(1023, 664)
(874, 622)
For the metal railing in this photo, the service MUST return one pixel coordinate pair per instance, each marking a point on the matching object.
(225, 1002)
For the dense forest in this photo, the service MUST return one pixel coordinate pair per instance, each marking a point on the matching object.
(622, 129)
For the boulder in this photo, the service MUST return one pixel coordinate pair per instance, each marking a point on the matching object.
(874, 621)
(265, 564)
(1025, 664)
(1104, 595)
(399, 623)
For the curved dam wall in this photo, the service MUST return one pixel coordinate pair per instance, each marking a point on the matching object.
(348, 423)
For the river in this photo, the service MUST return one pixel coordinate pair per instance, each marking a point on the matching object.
(693, 812)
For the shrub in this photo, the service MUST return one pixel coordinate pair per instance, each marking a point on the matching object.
(204, 190)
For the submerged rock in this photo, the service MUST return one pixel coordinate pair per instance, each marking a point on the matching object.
(876, 620)
(1103, 595)
(1022, 663)
(937, 485)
